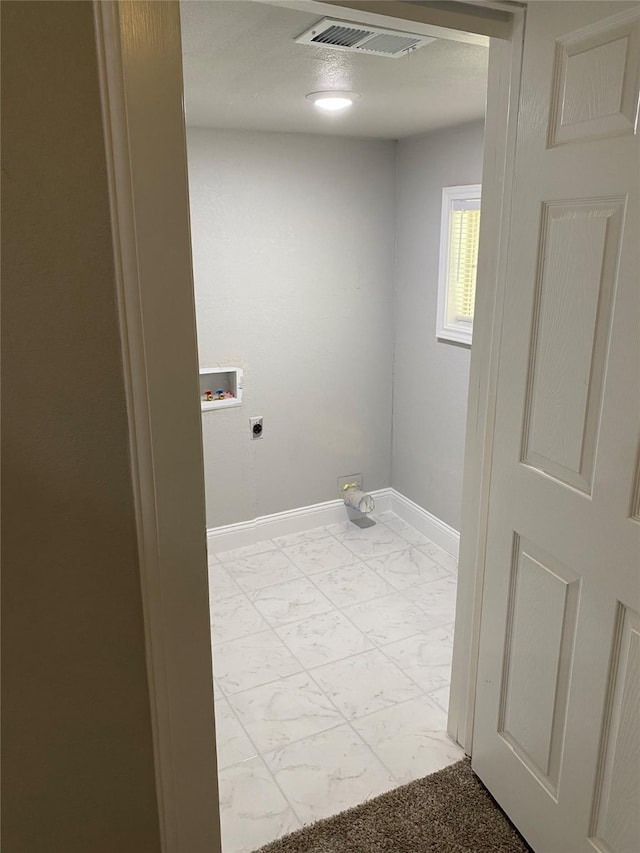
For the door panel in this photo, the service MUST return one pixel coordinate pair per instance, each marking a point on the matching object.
(541, 624)
(616, 823)
(595, 81)
(580, 243)
(556, 736)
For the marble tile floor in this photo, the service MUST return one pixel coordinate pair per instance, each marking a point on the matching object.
(332, 658)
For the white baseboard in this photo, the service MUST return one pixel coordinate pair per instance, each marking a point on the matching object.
(426, 523)
(330, 512)
(284, 523)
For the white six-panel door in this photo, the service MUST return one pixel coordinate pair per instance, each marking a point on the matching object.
(557, 726)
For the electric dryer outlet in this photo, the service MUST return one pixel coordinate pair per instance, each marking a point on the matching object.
(255, 425)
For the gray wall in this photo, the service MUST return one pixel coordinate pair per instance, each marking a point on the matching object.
(77, 766)
(293, 240)
(431, 377)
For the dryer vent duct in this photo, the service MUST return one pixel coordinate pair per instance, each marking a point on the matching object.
(359, 38)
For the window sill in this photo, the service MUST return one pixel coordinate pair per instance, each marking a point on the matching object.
(461, 337)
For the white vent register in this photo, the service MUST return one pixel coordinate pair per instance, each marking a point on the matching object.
(343, 35)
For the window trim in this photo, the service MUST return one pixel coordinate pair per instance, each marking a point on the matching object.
(456, 333)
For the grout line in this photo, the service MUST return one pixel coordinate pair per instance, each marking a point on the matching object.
(275, 583)
(279, 787)
(344, 719)
(305, 737)
(379, 647)
(339, 609)
(241, 637)
(261, 753)
(302, 820)
(248, 736)
(410, 677)
(309, 670)
(304, 671)
(270, 630)
(282, 746)
(247, 556)
(375, 754)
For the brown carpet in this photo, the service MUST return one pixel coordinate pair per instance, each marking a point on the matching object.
(447, 812)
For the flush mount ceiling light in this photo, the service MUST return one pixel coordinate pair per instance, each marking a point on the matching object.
(332, 101)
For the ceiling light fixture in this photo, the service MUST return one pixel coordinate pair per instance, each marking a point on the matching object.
(332, 101)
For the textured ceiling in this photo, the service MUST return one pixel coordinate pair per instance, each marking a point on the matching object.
(243, 70)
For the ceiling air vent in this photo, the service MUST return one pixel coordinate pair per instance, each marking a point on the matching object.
(358, 38)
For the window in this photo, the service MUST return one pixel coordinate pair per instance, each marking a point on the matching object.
(460, 229)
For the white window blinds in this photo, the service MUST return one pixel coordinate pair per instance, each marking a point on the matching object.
(464, 229)
(458, 262)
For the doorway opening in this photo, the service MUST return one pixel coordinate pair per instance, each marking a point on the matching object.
(334, 261)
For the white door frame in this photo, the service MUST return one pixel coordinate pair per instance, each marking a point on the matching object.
(140, 66)
(505, 66)
(140, 63)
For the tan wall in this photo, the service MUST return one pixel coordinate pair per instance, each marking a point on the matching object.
(77, 750)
